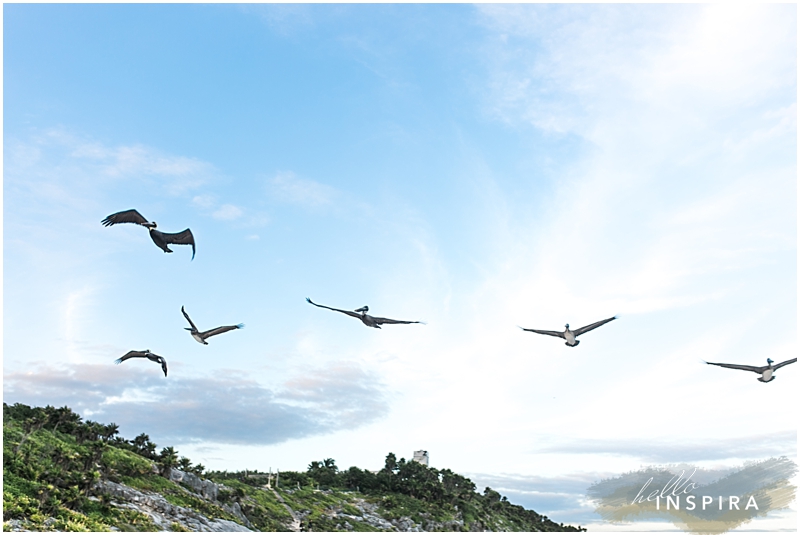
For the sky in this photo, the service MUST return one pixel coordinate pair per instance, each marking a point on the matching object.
(477, 167)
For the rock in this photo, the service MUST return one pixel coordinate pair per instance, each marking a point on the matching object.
(205, 488)
(161, 512)
(236, 510)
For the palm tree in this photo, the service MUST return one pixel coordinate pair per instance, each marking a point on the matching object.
(168, 459)
(109, 431)
(144, 447)
(184, 464)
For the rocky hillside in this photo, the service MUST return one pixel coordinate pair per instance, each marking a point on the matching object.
(63, 474)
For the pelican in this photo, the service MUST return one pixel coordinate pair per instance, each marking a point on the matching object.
(146, 355)
(570, 336)
(366, 319)
(201, 337)
(767, 372)
(161, 239)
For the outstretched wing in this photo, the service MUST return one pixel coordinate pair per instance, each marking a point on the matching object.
(131, 355)
(220, 330)
(128, 216)
(349, 313)
(756, 369)
(163, 362)
(185, 315)
(180, 238)
(549, 333)
(595, 325)
(381, 321)
(784, 363)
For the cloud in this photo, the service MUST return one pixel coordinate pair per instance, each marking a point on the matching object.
(286, 187)
(58, 158)
(746, 447)
(183, 173)
(572, 498)
(645, 96)
(228, 212)
(340, 389)
(562, 499)
(204, 201)
(224, 408)
(283, 19)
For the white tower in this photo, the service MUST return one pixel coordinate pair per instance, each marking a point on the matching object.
(421, 456)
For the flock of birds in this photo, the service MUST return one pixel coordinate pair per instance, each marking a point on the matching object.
(185, 237)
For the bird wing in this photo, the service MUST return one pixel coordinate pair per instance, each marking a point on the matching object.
(163, 362)
(594, 325)
(185, 315)
(756, 369)
(348, 312)
(220, 330)
(381, 321)
(549, 333)
(127, 216)
(784, 363)
(131, 355)
(180, 238)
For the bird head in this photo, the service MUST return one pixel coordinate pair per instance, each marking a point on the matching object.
(363, 309)
(188, 328)
(567, 325)
(770, 361)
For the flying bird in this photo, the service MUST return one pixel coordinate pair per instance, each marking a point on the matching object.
(570, 336)
(366, 319)
(201, 337)
(767, 372)
(161, 239)
(144, 355)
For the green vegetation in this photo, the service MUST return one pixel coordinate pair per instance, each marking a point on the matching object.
(55, 467)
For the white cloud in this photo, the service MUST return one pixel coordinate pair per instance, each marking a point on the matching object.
(57, 152)
(225, 408)
(228, 212)
(289, 188)
(204, 201)
(284, 19)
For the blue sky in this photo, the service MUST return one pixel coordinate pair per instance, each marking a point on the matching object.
(477, 167)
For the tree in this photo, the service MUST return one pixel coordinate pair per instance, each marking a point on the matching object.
(363, 480)
(144, 447)
(390, 465)
(325, 473)
(184, 464)
(167, 460)
(109, 431)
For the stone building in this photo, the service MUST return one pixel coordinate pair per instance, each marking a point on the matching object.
(421, 456)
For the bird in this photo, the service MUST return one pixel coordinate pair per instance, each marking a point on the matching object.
(366, 319)
(767, 372)
(201, 337)
(144, 354)
(570, 336)
(161, 239)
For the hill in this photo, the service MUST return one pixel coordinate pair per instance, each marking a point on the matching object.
(63, 474)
